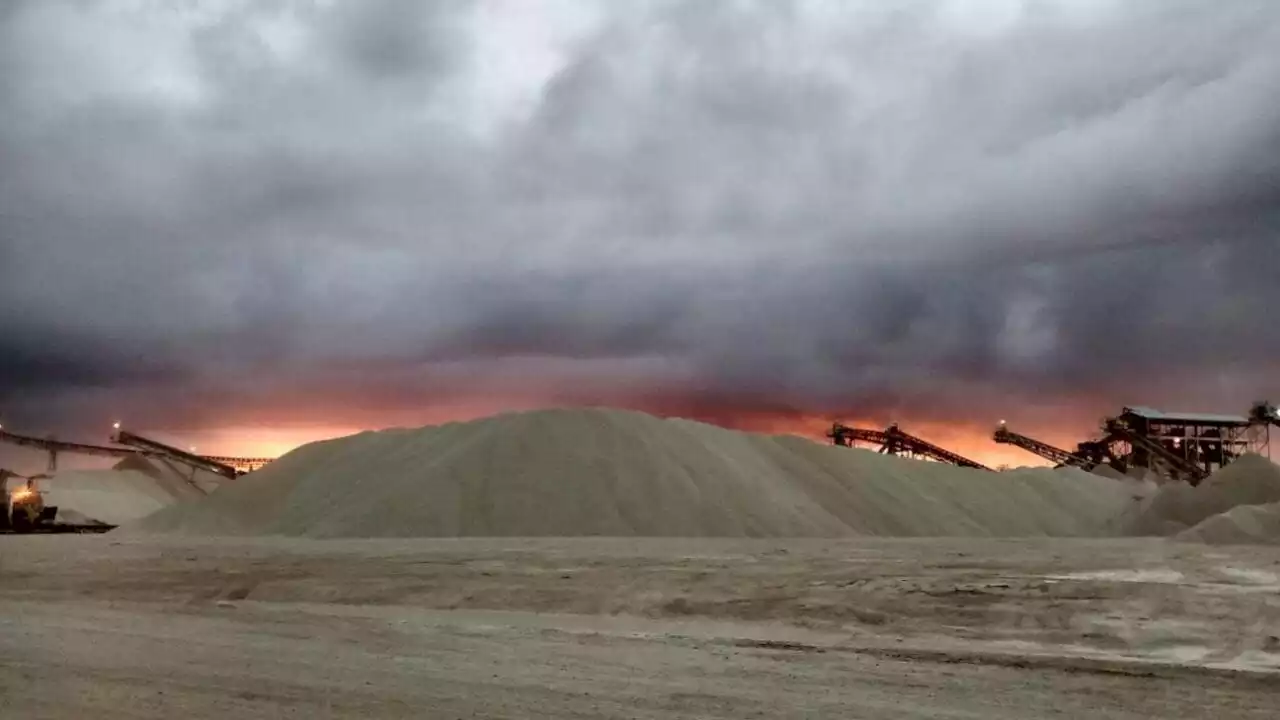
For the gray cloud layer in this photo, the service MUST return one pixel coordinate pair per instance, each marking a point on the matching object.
(786, 206)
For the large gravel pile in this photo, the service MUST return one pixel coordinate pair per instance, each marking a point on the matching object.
(1176, 507)
(620, 473)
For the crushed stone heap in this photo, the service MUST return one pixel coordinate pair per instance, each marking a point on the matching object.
(602, 472)
(1176, 507)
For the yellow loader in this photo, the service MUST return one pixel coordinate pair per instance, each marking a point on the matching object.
(25, 509)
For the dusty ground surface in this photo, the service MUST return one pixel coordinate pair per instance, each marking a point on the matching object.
(96, 626)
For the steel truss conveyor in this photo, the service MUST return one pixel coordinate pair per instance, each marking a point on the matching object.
(56, 447)
(894, 441)
(153, 447)
(225, 466)
(1086, 457)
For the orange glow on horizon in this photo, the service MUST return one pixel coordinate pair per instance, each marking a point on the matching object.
(259, 442)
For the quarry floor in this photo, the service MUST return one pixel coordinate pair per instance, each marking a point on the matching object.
(110, 626)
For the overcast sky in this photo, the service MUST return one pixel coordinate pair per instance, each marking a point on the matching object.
(219, 215)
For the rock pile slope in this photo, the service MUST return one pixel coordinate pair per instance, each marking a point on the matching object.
(1241, 525)
(601, 472)
(1175, 507)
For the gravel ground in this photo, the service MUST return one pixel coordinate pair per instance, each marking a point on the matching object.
(104, 627)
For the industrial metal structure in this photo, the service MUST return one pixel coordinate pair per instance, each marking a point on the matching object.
(242, 465)
(1086, 456)
(123, 437)
(23, 509)
(1186, 446)
(1183, 446)
(894, 441)
(1180, 446)
(226, 466)
(54, 447)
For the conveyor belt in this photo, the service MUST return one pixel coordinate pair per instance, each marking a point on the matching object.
(1005, 436)
(894, 441)
(144, 447)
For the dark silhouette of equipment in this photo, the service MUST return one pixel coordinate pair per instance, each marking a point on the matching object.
(1098, 452)
(23, 506)
(54, 447)
(1187, 446)
(22, 509)
(1085, 458)
(1264, 413)
(846, 436)
(1153, 452)
(146, 448)
(1180, 446)
(124, 437)
(893, 441)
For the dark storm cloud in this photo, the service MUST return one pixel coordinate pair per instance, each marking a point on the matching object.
(914, 211)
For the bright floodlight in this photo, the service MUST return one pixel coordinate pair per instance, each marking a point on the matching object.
(115, 425)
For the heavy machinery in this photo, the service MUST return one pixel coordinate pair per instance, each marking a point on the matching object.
(24, 509)
(894, 441)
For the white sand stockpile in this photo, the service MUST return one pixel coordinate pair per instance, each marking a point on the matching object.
(598, 472)
(1177, 507)
(134, 488)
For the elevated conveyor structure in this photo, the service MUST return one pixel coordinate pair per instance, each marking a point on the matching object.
(894, 441)
(124, 437)
(54, 448)
(242, 465)
(1056, 455)
(846, 436)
